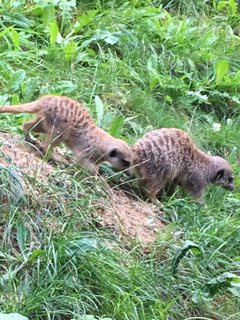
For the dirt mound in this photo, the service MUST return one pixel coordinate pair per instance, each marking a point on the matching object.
(13, 151)
(129, 218)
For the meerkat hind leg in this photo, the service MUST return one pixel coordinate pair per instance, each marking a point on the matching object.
(46, 148)
(33, 126)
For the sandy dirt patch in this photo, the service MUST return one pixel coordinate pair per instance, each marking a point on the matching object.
(14, 151)
(131, 219)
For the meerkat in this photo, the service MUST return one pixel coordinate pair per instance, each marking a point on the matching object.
(168, 157)
(65, 120)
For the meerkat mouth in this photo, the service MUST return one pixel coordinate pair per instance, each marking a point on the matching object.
(231, 188)
(127, 172)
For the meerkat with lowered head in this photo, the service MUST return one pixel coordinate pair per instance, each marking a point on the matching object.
(65, 120)
(168, 157)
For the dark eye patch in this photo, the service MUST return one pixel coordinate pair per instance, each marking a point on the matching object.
(230, 179)
(113, 153)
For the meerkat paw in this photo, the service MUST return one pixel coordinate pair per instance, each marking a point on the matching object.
(55, 157)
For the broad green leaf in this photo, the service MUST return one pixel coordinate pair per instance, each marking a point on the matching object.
(53, 32)
(3, 99)
(221, 4)
(168, 98)
(81, 246)
(84, 20)
(29, 87)
(234, 152)
(104, 35)
(70, 50)
(188, 245)
(233, 6)
(99, 110)
(134, 2)
(228, 280)
(67, 5)
(198, 96)
(107, 119)
(15, 38)
(156, 25)
(152, 63)
(235, 291)
(64, 87)
(16, 80)
(21, 236)
(6, 30)
(116, 126)
(237, 78)
(48, 15)
(35, 254)
(153, 82)
(111, 39)
(15, 99)
(221, 68)
(17, 19)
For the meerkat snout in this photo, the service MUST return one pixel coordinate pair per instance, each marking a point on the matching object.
(225, 179)
(224, 176)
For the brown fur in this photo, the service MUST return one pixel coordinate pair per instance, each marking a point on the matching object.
(65, 120)
(168, 157)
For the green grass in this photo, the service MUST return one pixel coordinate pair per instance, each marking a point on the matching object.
(145, 65)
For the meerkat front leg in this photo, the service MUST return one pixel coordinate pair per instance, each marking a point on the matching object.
(83, 158)
(92, 168)
(195, 191)
(85, 163)
(152, 189)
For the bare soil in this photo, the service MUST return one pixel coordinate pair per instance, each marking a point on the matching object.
(129, 218)
(14, 151)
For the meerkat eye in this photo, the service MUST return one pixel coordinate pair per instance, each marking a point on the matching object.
(113, 153)
(126, 163)
(220, 174)
(230, 180)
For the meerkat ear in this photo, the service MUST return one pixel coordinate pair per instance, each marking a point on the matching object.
(220, 174)
(114, 153)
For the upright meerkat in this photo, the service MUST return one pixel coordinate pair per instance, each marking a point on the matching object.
(168, 157)
(65, 120)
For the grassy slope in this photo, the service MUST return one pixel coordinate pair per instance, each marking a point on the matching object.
(157, 68)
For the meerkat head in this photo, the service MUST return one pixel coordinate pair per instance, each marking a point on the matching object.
(224, 175)
(120, 156)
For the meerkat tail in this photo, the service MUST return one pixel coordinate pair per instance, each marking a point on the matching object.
(31, 107)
